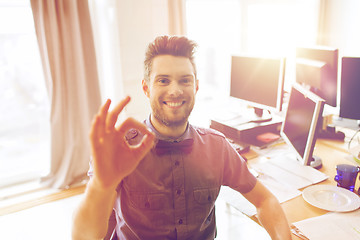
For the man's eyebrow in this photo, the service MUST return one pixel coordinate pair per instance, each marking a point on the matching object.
(162, 75)
(166, 75)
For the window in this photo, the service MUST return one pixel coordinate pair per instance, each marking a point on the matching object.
(276, 29)
(229, 27)
(215, 25)
(24, 105)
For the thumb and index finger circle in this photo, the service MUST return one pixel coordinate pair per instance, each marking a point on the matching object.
(147, 141)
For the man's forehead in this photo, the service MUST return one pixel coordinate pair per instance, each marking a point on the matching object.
(172, 65)
(169, 60)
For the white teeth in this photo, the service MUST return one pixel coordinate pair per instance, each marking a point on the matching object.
(174, 104)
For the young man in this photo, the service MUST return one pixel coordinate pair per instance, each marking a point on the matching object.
(162, 177)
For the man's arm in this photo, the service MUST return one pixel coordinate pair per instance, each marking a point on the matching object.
(113, 160)
(269, 212)
(92, 216)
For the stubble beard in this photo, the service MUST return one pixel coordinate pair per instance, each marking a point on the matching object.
(160, 115)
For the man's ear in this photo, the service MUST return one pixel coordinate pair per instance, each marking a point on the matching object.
(145, 87)
(197, 85)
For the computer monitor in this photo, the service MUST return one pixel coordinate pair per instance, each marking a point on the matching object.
(259, 82)
(350, 88)
(317, 69)
(300, 125)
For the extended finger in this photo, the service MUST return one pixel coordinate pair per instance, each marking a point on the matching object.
(102, 118)
(93, 129)
(96, 128)
(94, 135)
(113, 115)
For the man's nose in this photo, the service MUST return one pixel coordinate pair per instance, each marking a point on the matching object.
(175, 90)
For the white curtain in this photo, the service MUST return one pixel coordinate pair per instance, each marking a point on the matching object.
(65, 38)
(177, 23)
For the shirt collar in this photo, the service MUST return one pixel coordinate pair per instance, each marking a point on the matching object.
(185, 135)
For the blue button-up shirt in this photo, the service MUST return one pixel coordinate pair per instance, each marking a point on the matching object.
(172, 196)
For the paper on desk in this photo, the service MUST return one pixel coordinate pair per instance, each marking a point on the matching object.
(288, 172)
(238, 201)
(282, 192)
(276, 180)
(272, 173)
(306, 172)
(338, 226)
(283, 177)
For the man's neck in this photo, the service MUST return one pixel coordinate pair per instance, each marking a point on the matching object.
(168, 131)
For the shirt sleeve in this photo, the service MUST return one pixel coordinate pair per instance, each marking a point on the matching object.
(236, 173)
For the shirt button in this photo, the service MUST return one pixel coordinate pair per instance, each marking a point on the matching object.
(209, 198)
(147, 205)
(178, 191)
(177, 163)
(180, 221)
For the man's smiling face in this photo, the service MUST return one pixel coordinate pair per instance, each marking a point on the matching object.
(171, 90)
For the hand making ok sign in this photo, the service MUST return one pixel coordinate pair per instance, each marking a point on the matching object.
(113, 157)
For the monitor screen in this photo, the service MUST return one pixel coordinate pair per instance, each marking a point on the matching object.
(301, 120)
(317, 68)
(258, 81)
(350, 88)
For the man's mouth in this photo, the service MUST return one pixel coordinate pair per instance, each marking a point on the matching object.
(174, 104)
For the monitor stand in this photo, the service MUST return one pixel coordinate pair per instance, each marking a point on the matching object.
(328, 131)
(260, 117)
(316, 162)
(331, 133)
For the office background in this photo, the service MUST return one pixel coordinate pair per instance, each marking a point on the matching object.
(121, 31)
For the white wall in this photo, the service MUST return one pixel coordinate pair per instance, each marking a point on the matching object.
(342, 26)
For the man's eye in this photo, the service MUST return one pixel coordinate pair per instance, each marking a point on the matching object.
(163, 80)
(186, 80)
